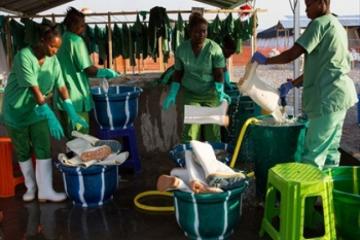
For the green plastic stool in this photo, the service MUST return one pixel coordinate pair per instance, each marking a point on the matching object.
(296, 182)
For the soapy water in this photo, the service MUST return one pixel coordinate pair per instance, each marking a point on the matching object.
(279, 119)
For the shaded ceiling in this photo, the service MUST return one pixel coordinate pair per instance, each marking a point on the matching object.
(224, 3)
(29, 7)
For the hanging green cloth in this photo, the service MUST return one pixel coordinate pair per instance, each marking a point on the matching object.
(101, 41)
(159, 26)
(125, 41)
(238, 32)
(214, 30)
(31, 31)
(178, 33)
(131, 47)
(117, 41)
(137, 35)
(18, 35)
(227, 26)
(146, 47)
(90, 40)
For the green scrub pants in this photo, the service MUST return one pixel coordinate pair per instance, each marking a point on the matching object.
(31, 139)
(193, 131)
(322, 140)
(68, 127)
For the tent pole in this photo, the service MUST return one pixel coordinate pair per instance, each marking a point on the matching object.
(296, 74)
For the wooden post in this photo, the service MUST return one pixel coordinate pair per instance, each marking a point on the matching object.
(8, 42)
(110, 63)
(254, 47)
(124, 64)
(53, 18)
(138, 65)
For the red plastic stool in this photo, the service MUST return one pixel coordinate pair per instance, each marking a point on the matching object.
(130, 144)
(7, 180)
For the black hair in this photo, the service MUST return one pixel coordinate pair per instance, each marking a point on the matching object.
(229, 42)
(195, 19)
(72, 17)
(47, 31)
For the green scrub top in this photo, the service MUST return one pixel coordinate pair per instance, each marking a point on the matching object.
(19, 100)
(326, 87)
(74, 59)
(198, 71)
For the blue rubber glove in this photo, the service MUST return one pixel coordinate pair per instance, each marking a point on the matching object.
(171, 97)
(219, 87)
(106, 73)
(285, 88)
(259, 58)
(54, 125)
(74, 117)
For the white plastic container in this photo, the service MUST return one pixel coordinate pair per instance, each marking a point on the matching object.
(260, 92)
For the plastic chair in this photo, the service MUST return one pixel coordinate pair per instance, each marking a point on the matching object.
(296, 183)
(130, 144)
(8, 182)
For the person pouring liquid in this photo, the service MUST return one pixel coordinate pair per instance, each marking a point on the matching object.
(76, 66)
(328, 92)
(199, 64)
(28, 118)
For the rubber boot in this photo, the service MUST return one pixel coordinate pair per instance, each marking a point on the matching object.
(207, 115)
(44, 182)
(217, 173)
(28, 172)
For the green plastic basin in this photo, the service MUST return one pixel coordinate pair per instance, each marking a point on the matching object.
(346, 197)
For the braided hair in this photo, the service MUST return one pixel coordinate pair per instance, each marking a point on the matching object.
(73, 16)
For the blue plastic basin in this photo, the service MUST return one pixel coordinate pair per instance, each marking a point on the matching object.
(89, 187)
(116, 109)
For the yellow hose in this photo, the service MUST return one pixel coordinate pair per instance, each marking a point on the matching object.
(168, 194)
(240, 139)
(153, 208)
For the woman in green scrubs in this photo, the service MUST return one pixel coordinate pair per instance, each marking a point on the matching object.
(28, 118)
(328, 92)
(199, 64)
(76, 66)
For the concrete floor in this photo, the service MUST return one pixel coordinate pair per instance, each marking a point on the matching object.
(118, 219)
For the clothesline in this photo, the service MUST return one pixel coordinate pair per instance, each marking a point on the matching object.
(110, 21)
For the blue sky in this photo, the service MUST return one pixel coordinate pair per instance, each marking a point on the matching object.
(276, 9)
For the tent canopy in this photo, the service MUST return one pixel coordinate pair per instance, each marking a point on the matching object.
(224, 3)
(29, 7)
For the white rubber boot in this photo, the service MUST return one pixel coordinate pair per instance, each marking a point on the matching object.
(217, 173)
(28, 172)
(44, 182)
(207, 115)
(196, 173)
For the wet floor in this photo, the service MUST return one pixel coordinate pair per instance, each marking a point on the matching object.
(117, 219)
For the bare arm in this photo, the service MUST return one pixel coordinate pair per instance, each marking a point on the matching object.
(39, 97)
(286, 56)
(219, 75)
(91, 71)
(298, 81)
(177, 76)
(64, 92)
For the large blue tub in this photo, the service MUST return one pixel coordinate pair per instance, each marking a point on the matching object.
(89, 187)
(116, 109)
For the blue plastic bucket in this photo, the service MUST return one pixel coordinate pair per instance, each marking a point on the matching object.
(222, 151)
(89, 187)
(209, 215)
(116, 109)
